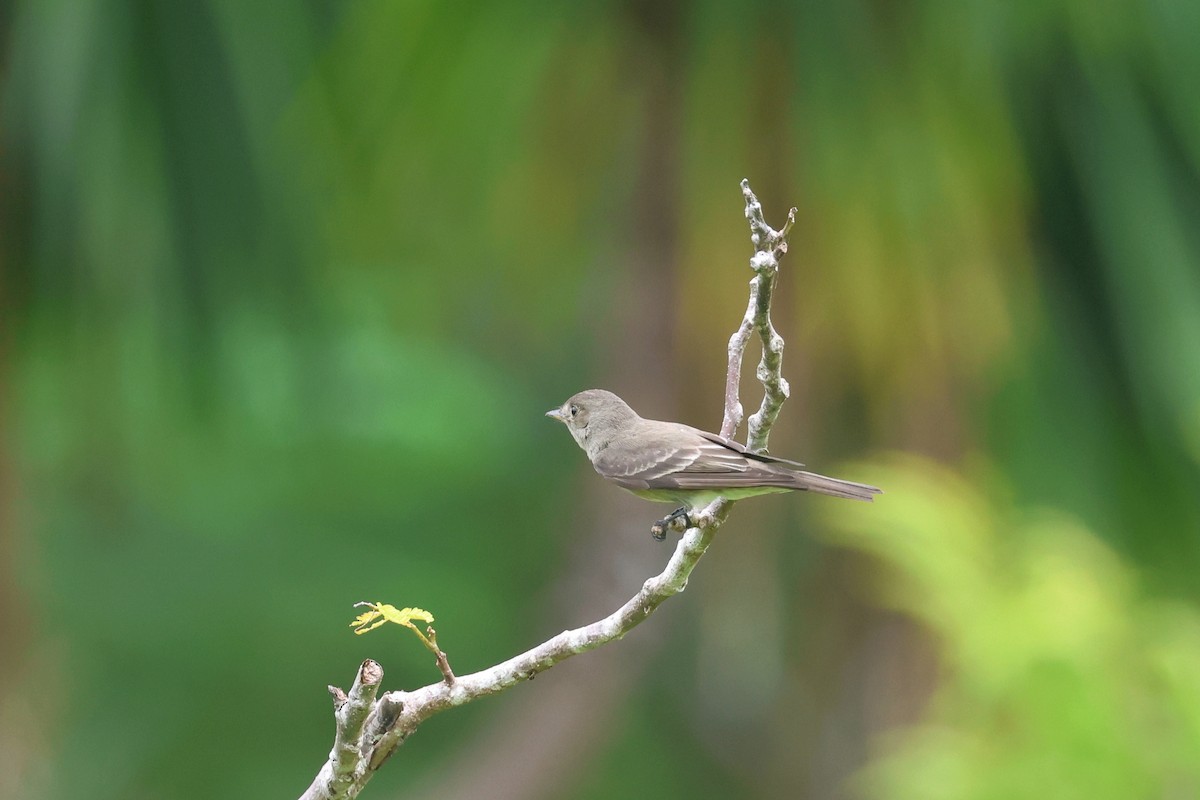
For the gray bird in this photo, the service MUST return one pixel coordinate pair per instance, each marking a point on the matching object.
(674, 463)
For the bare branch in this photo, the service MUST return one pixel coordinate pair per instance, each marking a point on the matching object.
(769, 245)
(340, 777)
(369, 731)
(442, 662)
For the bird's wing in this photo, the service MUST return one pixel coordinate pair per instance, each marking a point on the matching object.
(738, 447)
(669, 456)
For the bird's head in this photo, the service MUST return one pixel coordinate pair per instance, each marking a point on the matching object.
(594, 417)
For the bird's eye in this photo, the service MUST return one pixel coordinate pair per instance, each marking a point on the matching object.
(574, 409)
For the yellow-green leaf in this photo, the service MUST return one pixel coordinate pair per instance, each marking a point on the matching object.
(381, 613)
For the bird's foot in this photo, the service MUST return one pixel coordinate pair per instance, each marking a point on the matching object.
(677, 520)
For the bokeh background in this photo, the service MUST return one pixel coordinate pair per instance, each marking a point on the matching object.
(287, 287)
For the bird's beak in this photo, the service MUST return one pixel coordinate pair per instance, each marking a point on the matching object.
(556, 413)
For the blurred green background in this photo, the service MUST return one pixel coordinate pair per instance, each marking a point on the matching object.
(287, 287)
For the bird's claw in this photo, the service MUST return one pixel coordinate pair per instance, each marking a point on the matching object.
(670, 522)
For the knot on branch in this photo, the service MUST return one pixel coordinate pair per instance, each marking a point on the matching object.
(764, 261)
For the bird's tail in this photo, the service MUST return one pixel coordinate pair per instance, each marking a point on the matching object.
(836, 487)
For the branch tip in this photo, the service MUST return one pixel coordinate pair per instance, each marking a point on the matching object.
(370, 673)
(787, 226)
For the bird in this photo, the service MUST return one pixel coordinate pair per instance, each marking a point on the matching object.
(676, 463)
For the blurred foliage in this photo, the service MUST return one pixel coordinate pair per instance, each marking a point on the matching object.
(1062, 677)
(286, 287)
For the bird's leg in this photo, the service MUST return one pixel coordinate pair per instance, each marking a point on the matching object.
(659, 529)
